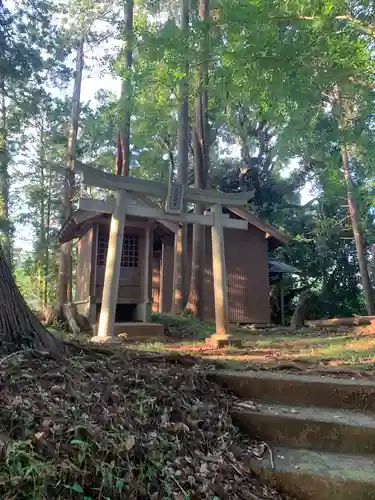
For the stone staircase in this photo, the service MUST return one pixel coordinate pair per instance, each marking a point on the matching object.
(321, 431)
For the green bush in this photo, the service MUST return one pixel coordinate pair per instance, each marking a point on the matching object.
(184, 327)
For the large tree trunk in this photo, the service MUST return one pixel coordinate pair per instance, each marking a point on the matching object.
(65, 265)
(195, 303)
(358, 238)
(19, 327)
(180, 285)
(126, 99)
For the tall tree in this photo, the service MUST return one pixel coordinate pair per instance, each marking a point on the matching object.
(84, 15)
(200, 140)
(180, 284)
(31, 52)
(38, 194)
(64, 293)
(125, 108)
(24, 35)
(328, 54)
(343, 112)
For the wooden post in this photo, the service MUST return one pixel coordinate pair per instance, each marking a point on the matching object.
(162, 280)
(105, 331)
(91, 314)
(221, 337)
(179, 284)
(146, 276)
(166, 286)
(282, 305)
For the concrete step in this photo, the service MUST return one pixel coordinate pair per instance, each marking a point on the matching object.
(318, 391)
(312, 475)
(138, 331)
(341, 431)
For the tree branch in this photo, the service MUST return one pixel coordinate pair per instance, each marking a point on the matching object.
(368, 29)
(306, 205)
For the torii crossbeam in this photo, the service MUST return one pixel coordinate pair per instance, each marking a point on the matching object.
(120, 207)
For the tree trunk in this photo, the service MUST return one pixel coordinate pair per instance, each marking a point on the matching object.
(125, 111)
(298, 317)
(42, 222)
(195, 303)
(65, 265)
(4, 176)
(180, 285)
(47, 238)
(19, 327)
(354, 321)
(358, 238)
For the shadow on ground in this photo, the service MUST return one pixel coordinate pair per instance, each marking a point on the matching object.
(331, 351)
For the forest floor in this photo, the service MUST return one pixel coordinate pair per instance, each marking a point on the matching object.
(141, 421)
(338, 350)
(111, 423)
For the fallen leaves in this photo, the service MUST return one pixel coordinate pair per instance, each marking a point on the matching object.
(120, 426)
(130, 443)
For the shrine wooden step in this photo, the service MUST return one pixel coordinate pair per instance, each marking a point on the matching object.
(138, 331)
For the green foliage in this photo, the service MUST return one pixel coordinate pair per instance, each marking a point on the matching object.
(274, 69)
(187, 327)
(24, 277)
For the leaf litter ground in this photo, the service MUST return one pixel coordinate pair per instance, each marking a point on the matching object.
(118, 425)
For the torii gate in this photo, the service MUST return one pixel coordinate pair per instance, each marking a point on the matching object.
(175, 195)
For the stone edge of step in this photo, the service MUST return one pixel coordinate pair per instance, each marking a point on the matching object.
(273, 375)
(306, 413)
(336, 466)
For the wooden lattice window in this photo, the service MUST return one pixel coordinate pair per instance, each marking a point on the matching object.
(129, 256)
(102, 250)
(130, 250)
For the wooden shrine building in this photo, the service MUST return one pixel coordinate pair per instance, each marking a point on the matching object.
(147, 262)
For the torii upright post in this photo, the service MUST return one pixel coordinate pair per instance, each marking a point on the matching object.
(221, 338)
(219, 275)
(106, 328)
